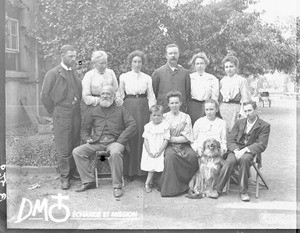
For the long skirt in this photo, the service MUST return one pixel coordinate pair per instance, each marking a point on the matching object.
(196, 110)
(230, 113)
(139, 109)
(178, 171)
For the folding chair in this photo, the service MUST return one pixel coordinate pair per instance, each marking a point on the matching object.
(256, 164)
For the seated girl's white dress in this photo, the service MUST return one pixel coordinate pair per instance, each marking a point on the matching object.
(155, 134)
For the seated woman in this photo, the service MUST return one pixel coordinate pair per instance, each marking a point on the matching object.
(180, 163)
(207, 127)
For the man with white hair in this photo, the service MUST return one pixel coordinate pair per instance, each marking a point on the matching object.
(112, 127)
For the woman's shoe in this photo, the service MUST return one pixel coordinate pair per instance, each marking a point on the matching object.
(147, 188)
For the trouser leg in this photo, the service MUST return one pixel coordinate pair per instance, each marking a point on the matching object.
(63, 139)
(75, 137)
(115, 160)
(226, 171)
(244, 171)
(82, 155)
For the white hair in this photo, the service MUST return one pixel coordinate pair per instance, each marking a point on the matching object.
(97, 55)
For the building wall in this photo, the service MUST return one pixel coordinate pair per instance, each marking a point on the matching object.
(20, 83)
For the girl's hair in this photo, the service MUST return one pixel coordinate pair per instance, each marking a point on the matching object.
(156, 108)
(136, 53)
(201, 55)
(174, 94)
(212, 101)
(232, 59)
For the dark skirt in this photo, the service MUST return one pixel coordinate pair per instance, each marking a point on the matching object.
(196, 110)
(178, 171)
(139, 109)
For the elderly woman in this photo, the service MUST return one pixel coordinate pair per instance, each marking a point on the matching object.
(180, 162)
(98, 77)
(234, 91)
(136, 89)
(204, 86)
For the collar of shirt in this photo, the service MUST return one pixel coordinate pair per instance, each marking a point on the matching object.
(250, 125)
(65, 67)
(173, 68)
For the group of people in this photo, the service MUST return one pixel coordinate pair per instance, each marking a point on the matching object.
(160, 121)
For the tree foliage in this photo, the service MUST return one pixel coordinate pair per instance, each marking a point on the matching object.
(119, 27)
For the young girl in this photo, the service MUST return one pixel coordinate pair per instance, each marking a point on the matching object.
(156, 135)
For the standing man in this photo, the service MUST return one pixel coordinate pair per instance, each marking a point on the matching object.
(248, 137)
(112, 127)
(171, 77)
(61, 95)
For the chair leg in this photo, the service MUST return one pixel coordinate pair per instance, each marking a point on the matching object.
(260, 176)
(96, 176)
(257, 185)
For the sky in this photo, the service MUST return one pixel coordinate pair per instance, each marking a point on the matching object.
(278, 8)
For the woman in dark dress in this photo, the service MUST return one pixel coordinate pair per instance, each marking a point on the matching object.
(136, 89)
(180, 163)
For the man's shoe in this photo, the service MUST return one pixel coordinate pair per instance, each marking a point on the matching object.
(214, 194)
(118, 192)
(244, 197)
(65, 185)
(86, 186)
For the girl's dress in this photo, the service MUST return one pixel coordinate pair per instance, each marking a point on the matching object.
(155, 134)
(204, 129)
(136, 89)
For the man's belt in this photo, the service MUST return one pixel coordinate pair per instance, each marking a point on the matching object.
(136, 96)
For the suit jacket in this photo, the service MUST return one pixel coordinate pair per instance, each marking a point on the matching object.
(121, 125)
(165, 80)
(258, 140)
(54, 89)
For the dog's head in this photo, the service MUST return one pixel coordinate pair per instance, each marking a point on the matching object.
(211, 147)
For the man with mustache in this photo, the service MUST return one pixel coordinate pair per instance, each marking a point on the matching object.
(61, 95)
(171, 77)
(112, 126)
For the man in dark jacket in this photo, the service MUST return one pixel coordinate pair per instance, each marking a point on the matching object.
(61, 95)
(106, 127)
(248, 137)
(171, 77)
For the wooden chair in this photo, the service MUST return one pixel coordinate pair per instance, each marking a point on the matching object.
(256, 164)
(101, 156)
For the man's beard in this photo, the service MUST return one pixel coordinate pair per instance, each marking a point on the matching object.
(106, 102)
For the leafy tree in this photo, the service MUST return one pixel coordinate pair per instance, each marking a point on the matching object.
(119, 27)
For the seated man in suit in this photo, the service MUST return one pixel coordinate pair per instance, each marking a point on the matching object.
(248, 137)
(112, 127)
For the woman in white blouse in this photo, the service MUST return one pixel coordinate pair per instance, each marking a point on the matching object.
(98, 77)
(136, 90)
(234, 91)
(204, 86)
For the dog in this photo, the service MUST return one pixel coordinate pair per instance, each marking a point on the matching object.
(209, 162)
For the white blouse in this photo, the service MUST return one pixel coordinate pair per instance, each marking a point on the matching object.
(175, 120)
(205, 86)
(231, 86)
(204, 129)
(92, 83)
(133, 83)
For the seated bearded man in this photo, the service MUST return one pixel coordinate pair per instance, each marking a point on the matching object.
(111, 128)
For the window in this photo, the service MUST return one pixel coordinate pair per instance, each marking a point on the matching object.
(12, 35)
(11, 44)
